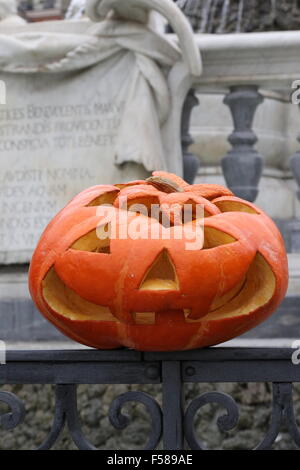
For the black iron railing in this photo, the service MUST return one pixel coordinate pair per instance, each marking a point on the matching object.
(172, 421)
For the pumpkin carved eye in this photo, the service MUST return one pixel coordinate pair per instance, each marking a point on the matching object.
(104, 199)
(214, 238)
(235, 205)
(93, 243)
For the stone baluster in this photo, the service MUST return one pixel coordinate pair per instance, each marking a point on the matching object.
(191, 163)
(242, 166)
(294, 226)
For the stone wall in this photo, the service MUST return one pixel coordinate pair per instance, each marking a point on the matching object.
(254, 401)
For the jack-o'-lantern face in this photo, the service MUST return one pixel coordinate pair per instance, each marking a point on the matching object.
(155, 282)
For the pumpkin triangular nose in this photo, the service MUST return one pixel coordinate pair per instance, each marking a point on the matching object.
(161, 275)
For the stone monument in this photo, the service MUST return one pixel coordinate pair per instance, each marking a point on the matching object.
(88, 102)
(8, 13)
(76, 10)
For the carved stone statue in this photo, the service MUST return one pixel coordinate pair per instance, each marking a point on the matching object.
(76, 10)
(90, 102)
(8, 13)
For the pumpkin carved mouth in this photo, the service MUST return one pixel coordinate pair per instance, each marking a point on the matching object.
(253, 292)
(154, 294)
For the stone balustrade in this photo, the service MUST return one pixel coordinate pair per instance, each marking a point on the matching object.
(246, 127)
(246, 134)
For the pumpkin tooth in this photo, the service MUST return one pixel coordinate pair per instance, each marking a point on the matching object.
(144, 318)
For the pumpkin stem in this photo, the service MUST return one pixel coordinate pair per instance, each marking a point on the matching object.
(167, 182)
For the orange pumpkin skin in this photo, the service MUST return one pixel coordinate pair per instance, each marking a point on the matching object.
(119, 296)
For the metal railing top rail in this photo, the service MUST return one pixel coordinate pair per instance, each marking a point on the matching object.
(216, 353)
(172, 419)
(127, 366)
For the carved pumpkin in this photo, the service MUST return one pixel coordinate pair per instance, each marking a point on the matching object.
(153, 293)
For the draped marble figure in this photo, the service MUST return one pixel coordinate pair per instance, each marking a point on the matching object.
(88, 102)
(9, 14)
